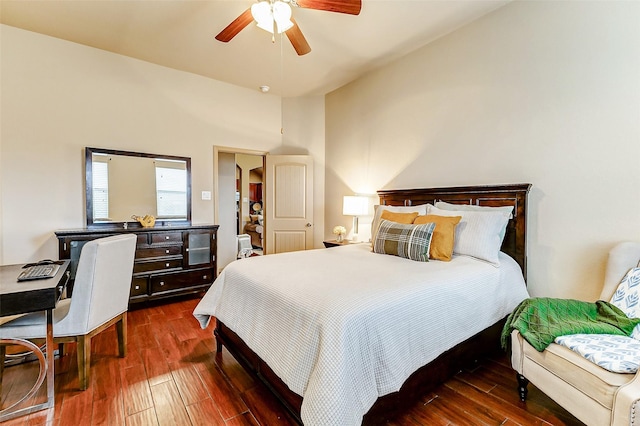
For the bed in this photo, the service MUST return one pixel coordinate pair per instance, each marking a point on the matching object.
(360, 334)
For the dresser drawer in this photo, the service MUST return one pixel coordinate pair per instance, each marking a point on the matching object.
(169, 282)
(145, 253)
(156, 265)
(139, 287)
(166, 237)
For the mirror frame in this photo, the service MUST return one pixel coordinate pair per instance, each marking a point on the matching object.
(89, 186)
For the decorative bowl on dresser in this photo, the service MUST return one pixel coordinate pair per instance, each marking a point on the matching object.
(170, 260)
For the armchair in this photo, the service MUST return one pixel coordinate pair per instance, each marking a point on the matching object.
(254, 229)
(592, 394)
(100, 299)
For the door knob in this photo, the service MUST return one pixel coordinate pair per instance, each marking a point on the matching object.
(309, 225)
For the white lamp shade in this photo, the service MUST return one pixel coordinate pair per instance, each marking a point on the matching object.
(282, 16)
(266, 25)
(354, 205)
(261, 12)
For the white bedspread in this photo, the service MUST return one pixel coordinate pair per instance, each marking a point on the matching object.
(343, 326)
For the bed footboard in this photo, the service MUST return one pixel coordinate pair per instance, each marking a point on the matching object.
(464, 355)
(255, 366)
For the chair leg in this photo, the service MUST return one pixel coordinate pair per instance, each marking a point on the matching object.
(121, 328)
(522, 386)
(84, 361)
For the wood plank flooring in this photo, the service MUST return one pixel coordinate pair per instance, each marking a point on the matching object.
(172, 376)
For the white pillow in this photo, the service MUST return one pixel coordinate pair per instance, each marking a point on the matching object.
(378, 209)
(506, 210)
(479, 234)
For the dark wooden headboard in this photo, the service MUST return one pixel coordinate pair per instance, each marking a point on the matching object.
(515, 240)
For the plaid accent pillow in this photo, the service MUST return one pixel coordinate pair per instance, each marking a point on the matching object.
(408, 241)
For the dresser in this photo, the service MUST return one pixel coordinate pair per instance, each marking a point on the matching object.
(169, 260)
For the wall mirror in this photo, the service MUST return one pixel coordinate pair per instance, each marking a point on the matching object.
(120, 184)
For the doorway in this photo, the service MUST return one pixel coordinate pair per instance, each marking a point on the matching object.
(250, 204)
(287, 217)
(238, 200)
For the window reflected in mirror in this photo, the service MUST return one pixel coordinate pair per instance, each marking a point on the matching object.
(121, 184)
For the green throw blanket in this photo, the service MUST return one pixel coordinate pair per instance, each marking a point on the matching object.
(540, 320)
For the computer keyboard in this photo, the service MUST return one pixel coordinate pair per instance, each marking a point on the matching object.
(37, 272)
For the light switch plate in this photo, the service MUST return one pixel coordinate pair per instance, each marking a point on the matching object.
(206, 195)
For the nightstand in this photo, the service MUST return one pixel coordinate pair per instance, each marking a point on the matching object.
(335, 243)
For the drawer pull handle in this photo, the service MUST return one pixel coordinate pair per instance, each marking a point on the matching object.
(166, 251)
(161, 283)
(166, 237)
(167, 265)
(137, 287)
(204, 277)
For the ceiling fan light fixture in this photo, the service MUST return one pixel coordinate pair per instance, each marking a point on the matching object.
(267, 13)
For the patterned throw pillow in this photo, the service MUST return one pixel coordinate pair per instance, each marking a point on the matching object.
(627, 297)
(619, 354)
(378, 209)
(408, 241)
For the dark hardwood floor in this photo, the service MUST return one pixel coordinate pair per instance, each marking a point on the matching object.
(172, 376)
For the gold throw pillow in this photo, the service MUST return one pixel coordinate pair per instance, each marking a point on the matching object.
(443, 236)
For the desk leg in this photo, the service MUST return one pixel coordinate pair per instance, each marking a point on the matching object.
(47, 362)
(51, 359)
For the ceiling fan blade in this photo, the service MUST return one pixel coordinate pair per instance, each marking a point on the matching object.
(235, 27)
(351, 7)
(297, 39)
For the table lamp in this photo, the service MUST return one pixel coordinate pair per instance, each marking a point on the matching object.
(355, 205)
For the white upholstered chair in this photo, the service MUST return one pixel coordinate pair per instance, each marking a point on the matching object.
(100, 299)
(592, 394)
(244, 246)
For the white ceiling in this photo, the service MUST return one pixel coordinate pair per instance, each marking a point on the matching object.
(180, 34)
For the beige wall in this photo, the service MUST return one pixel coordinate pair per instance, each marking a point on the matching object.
(227, 242)
(539, 92)
(59, 97)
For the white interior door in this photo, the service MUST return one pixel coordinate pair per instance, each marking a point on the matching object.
(289, 203)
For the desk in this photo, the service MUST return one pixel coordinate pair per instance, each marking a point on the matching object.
(26, 297)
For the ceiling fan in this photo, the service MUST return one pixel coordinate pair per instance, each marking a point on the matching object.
(274, 16)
